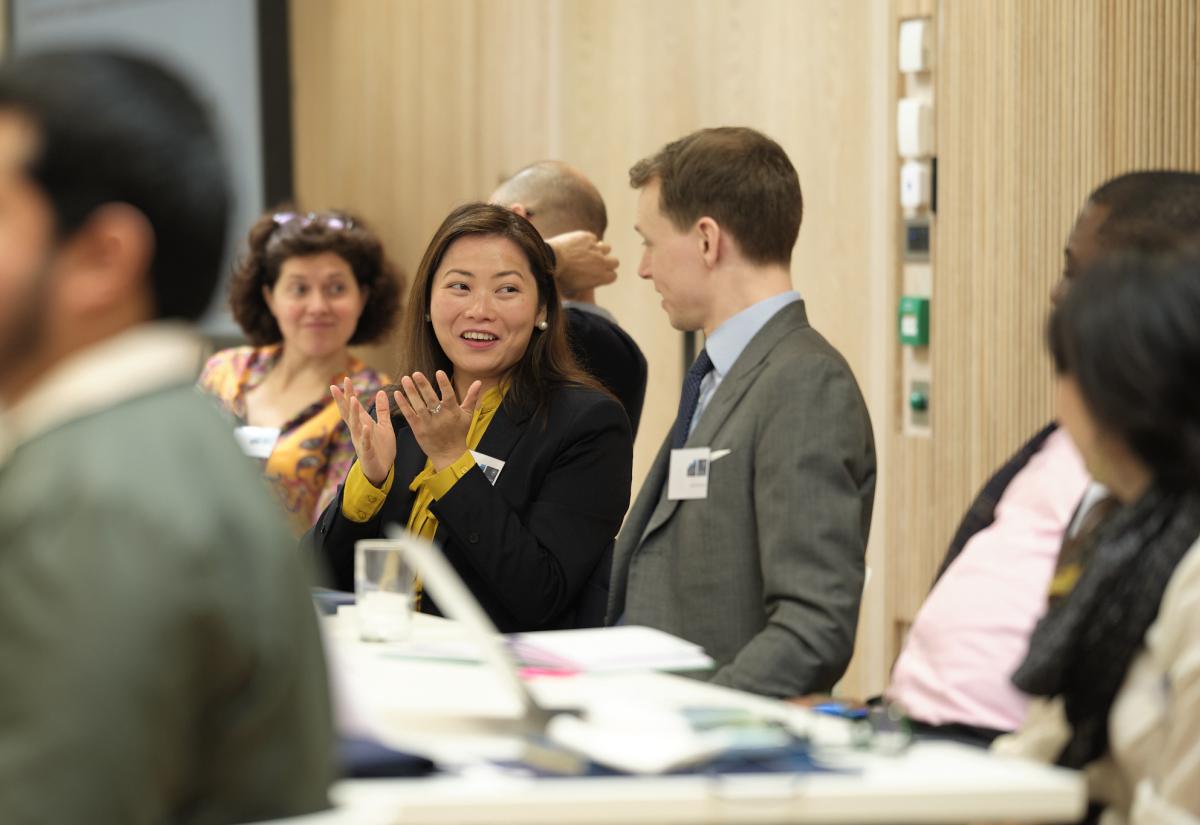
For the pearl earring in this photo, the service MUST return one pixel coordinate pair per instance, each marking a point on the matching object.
(428, 320)
(543, 326)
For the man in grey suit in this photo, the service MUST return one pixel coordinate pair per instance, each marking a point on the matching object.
(749, 534)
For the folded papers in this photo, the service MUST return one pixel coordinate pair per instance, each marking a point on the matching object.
(608, 650)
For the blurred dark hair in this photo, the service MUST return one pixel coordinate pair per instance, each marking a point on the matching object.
(113, 128)
(548, 362)
(1131, 341)
(1150, 211)
(282, 234)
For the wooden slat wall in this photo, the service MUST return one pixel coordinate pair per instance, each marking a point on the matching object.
(1037, 103)
(406, 107)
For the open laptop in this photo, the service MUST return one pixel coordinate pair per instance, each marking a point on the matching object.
(614, 748)
(456, 602)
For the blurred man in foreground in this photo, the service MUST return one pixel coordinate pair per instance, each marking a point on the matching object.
(159, 657)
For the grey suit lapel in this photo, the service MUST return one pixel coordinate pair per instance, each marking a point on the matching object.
(725, 400)
(631, 534)
(654, 488)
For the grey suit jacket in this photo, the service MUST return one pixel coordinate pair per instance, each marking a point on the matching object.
(767, 572)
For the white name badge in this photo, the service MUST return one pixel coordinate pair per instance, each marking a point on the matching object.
(491, 466)
(689, 473)
(257, 442)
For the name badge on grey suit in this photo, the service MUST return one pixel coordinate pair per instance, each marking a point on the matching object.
(689, 471)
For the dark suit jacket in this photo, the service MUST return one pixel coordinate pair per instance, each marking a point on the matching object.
(767, 572)
(610, 356)
(535, 549)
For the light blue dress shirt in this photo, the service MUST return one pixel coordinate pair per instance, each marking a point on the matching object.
(729, 340)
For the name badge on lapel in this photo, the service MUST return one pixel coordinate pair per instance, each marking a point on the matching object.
(257, 442)
(491, 466)
(689, 473)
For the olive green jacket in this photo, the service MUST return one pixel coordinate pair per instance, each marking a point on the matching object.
(159, 654)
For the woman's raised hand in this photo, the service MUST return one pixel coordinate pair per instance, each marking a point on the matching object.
(440, 424)
(374, 440)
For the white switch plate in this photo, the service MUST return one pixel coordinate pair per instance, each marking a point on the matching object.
(915, 45)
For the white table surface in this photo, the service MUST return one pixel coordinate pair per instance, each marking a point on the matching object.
(420, 706)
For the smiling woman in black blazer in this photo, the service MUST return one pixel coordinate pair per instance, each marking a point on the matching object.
(525, 481)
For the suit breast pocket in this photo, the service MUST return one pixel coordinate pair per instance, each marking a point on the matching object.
(727, 516)
(726, 475)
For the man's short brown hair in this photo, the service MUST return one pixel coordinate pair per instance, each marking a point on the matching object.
(738, 177)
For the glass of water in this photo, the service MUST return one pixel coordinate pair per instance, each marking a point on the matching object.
(383, 589)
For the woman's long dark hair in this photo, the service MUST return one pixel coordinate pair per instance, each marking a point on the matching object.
(548, 362)
(1128, 332)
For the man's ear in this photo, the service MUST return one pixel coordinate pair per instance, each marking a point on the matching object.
(520, 209)
(106, 263)
(708, 238)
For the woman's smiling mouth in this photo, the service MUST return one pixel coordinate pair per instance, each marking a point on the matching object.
(479, 339)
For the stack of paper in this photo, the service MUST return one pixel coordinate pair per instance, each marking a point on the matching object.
(608, 650)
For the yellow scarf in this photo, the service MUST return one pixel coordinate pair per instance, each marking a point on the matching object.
(421, 522)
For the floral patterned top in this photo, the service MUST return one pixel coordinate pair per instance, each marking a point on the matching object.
(314, 451)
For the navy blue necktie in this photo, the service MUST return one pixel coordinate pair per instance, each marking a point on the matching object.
(690, 398)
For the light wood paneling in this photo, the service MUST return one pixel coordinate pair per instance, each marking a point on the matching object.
(1037, 103)
(404, 108)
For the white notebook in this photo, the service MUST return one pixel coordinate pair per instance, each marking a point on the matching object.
(608, 649)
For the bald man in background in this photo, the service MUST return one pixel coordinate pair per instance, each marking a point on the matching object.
(568, 211)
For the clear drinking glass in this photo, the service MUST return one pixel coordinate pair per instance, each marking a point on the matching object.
(383, 589)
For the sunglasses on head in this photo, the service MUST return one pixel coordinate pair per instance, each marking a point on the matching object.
(303, 219)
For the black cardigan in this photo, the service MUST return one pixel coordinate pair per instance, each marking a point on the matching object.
(535, 549)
